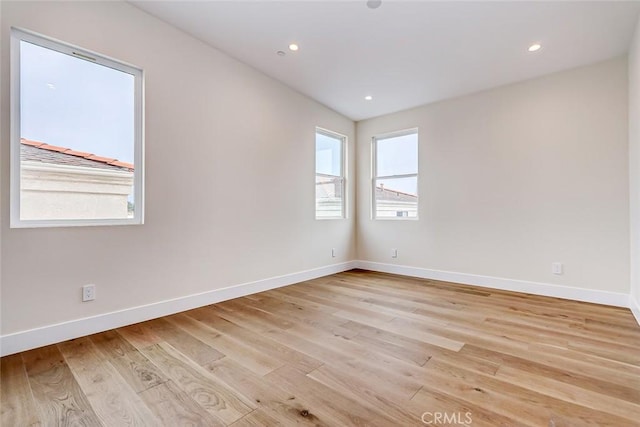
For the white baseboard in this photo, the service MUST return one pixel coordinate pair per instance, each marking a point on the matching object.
(634, 305)
(38, 337)
(545, 289)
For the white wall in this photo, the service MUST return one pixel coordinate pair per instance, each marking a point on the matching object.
(3, 154)
(513, 179)
(230, 181)
(634, 169)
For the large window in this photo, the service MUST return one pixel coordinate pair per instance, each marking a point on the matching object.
(76, 136)
(395, 175)
(330, 175)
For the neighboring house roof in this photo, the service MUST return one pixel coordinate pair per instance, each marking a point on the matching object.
(394, 195)
(329, 190)
(51, 154)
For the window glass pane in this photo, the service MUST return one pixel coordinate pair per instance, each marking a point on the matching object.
(328, 154)
(397, 155)
(329, 197)
(77, 128)
(396, 197)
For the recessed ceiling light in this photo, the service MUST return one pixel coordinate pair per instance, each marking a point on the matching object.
(281, 53)
(293, 47)
(374, 4)
(534, 47)
(368, 97)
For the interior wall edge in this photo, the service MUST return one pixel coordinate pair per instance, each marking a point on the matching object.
(634, 171)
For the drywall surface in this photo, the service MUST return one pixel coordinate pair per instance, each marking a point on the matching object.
(634, 165)
(514, 179)
(230, 187)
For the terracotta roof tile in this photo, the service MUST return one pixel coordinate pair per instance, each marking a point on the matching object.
(100, 159)
(31, 143)
(122, 164)
(54, 148)
(79, 154)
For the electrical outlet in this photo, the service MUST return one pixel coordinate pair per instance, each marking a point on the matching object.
(394, 253)
(557, 268)
(333, 252)
(88, 293)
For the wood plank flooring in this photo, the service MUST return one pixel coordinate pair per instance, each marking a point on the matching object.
(353, 349)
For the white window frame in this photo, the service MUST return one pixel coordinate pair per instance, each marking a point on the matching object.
(343, 171)
(375, 177)
(18, 35)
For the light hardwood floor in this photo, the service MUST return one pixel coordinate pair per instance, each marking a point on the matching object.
(356, 348)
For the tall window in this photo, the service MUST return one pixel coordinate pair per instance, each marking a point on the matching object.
(395, 175)
(330, 175)
(76, 136)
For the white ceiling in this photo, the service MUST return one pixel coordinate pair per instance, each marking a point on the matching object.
(404, 54)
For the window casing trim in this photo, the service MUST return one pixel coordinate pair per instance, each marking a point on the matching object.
(18, 35)
(374, 172)
(343, 171)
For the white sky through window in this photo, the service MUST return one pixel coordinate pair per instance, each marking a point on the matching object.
(398, 155)
(75, 103)
(328, 155)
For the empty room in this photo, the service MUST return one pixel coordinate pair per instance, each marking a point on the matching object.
(320, 213)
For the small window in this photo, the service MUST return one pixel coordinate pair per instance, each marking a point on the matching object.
(330, 175)
(395, 175)
(76, 136)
